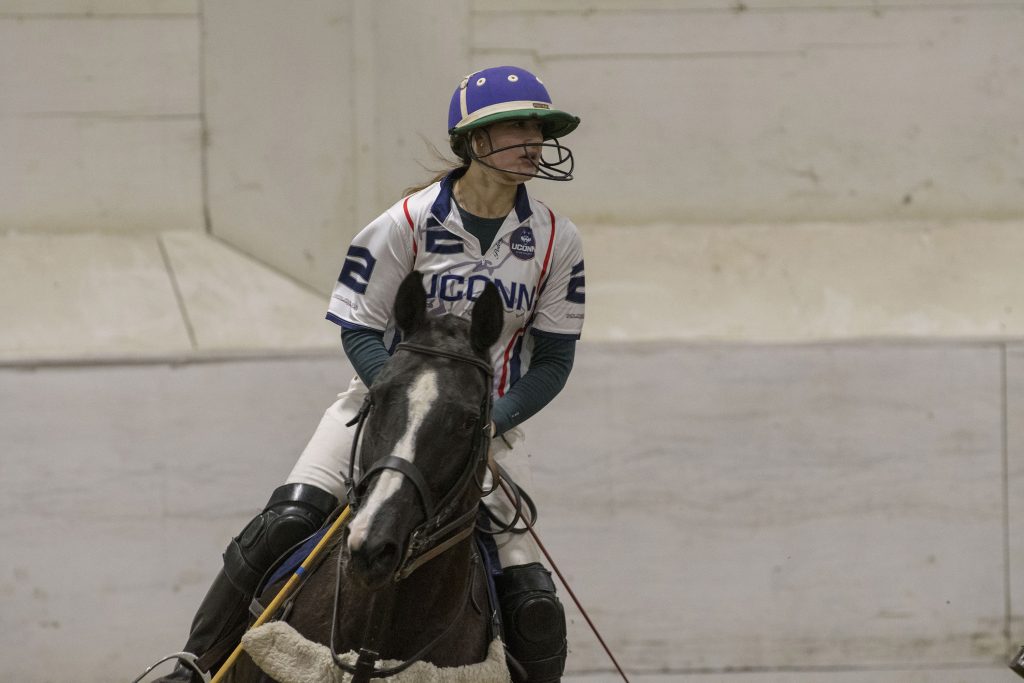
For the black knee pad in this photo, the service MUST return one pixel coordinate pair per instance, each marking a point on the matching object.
(293, 513)
(534, 620)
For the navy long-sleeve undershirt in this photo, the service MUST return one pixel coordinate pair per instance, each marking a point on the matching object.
(550, 366)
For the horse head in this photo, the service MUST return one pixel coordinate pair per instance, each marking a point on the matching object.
(423, 443)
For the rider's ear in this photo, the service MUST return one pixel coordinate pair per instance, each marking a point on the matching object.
(411, 303)
(488, 317)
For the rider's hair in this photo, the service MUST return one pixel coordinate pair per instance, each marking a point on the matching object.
(460, 146)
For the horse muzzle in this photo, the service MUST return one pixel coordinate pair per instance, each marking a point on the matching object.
(373, 564)
(375, 549)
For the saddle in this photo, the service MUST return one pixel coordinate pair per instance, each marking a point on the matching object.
(483, 538)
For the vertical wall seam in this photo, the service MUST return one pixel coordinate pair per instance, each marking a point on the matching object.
(182, 309)
(204, 131)
(1008, 624)
(364, 110)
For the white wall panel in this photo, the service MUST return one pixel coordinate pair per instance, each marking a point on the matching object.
(80, 174)
(122, 487)
(718, 507)
(125, 67)
(235, 304)
(280, 107)
(87, 296)
(412, 101)
(848, 114)
(94, 8)
(935, 674)
(318, 119)
(779, 506)
(547, 7)
(100, 124)
(805, 282)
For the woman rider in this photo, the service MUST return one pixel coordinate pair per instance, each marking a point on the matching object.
(471, 225)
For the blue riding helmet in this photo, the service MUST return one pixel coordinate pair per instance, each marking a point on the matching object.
(505, 93)
(502, 93)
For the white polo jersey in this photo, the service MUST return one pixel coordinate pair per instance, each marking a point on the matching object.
(536, 263)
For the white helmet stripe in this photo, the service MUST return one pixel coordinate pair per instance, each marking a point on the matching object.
(462, 97)
(498, 108)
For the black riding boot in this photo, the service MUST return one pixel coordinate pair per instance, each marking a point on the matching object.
(534, 621)
(219, 621)
(294, 512)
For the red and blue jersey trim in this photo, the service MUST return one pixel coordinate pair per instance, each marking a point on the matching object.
(412, 226)
(511, 366)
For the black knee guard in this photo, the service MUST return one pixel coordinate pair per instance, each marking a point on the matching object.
(534, 621)
(294, 512)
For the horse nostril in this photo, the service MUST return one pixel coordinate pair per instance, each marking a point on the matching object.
(375, 562)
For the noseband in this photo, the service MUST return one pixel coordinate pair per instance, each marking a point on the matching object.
(443, 527)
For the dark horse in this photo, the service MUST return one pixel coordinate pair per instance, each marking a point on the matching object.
(422, 450)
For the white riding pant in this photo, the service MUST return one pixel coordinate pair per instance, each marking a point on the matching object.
(327, 454)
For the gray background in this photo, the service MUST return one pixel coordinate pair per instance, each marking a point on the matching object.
(791, 449)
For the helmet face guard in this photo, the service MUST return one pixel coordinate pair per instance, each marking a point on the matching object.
(555, 162)
(507, 93)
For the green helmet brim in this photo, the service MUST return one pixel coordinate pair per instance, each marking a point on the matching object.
(554, 123)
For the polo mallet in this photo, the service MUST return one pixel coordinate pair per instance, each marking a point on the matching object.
(286, 590)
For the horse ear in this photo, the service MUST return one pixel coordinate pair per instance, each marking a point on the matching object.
(488, 318)
(411, 303)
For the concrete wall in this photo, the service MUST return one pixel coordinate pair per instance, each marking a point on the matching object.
(100, 124)
(779, 111)
(786, 508)
(816, 507)
(710, 112)
(790, 507)
(315, 113)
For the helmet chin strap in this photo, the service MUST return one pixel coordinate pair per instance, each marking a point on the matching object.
(545, 170)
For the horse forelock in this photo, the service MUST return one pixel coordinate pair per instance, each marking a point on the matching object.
(447, 332)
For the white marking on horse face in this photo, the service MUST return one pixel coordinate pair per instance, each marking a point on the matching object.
(421, 396)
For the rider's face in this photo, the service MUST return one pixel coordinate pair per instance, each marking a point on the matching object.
(522, 136)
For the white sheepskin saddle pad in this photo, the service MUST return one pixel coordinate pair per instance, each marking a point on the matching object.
(285, 655)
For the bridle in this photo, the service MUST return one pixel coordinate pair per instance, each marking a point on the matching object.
(444, 527)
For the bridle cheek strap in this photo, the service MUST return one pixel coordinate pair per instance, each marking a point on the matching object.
(428, 540)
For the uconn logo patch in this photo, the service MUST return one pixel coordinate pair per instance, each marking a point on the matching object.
(522, 244)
